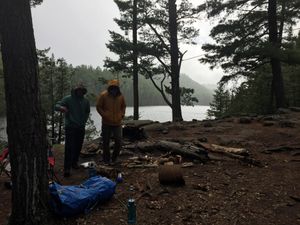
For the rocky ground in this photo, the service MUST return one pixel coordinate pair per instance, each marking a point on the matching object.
(223, 190)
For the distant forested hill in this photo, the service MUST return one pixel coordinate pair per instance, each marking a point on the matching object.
(201, 92)
(94, 77)
(147, 93)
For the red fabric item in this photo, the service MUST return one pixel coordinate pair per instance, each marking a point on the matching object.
(4, 154)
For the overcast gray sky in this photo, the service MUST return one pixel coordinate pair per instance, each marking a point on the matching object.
(77, 30)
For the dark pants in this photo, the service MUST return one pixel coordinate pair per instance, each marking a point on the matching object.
(73, 145)
(107, 132)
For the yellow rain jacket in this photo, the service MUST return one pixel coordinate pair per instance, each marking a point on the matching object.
(112, 109)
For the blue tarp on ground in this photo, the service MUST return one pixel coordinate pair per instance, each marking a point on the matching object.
(72, 200)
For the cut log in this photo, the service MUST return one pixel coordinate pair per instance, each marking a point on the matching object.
(170, 175)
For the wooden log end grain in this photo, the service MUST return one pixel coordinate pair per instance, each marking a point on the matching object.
(171, 175)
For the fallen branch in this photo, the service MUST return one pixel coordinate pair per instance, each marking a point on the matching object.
(296, 198)
(135, 166)
(244, 159)
(280, 149)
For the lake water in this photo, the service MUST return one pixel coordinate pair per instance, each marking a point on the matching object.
(156, 113)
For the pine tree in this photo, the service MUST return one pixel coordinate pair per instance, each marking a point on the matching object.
(292, 71)
(55, 82)
(219, 106)
(62, 82)
(162, 26)
(249, 35)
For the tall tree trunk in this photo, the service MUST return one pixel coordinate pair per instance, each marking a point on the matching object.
(62, 88)
(274, 39)
(60, 124)
(176, 106)
(26, 126)
(52, 108)
(135, 63)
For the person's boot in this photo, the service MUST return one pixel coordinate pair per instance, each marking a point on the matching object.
(67, 173)
(75, 166)
(8, 184)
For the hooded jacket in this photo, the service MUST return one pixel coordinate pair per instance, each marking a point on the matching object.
(78, 109)
(111, 108)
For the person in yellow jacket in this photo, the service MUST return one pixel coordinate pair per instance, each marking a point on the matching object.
(111, 106)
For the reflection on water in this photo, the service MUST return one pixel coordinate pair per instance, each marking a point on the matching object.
(156, 113)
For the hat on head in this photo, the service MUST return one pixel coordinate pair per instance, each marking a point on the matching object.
(81, 86)
(114, 82)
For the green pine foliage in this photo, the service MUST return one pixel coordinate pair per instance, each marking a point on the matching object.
(241, 36)
(254, 94)
(36, 2)
(292, 74)
(220, 104)
(250, 34)
(90, 130)
(252, 39)
(56, 79)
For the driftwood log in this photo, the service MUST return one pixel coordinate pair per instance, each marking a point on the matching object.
(223, 149)
(189, 151)
(234, 153)
(202, 152)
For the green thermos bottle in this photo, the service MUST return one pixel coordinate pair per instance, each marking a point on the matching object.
(131, 207)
